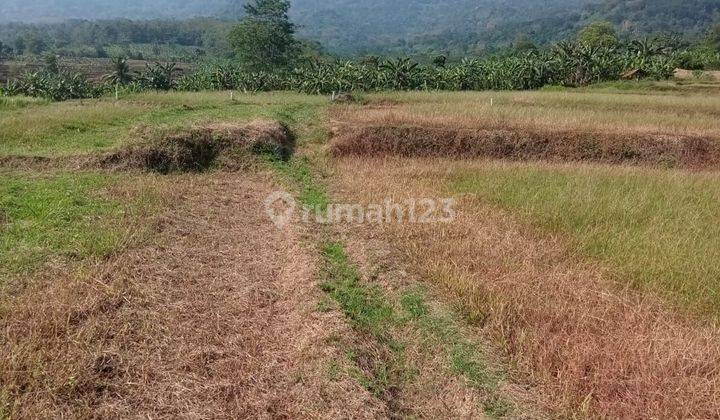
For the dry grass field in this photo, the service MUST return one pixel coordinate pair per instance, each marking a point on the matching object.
(595, 273)
(141, 277)
(629, 112)
(572, 295)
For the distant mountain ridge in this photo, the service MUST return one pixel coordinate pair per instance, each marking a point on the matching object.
(647, 16)
(400, 12)
(367, 26)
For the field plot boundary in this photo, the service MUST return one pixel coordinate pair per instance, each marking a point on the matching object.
(190, 149)
(663, 150)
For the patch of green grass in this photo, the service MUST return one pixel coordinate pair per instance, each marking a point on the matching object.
(370, 312)
(18, 102)
(222, 99)
(66, 128)
(383, 377)
(303, 172)
(334, 370)
(642, 87)
(61, 216)
(658, 230)
(299, 171)
(497, 407)
(364, 305)
(413, 302)
(464, 358)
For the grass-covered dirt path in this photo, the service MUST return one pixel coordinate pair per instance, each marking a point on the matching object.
(197, 305)
(216, 318)
(224, 315)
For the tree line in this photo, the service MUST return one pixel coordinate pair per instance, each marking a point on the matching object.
(270, 57)
(82, 38)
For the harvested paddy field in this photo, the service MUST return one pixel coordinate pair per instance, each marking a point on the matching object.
(585, 239)
(216, 317)
(145, 272)
(572, 306)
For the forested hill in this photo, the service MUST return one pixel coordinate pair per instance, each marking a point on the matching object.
(406, 26)
(372, 25)
(58, 10)
(648, 16)
(467, 26)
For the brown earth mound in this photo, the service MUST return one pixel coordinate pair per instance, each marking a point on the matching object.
(198, 148)
(511, 144)
(190, 150)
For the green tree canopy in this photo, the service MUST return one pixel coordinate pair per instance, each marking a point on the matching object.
(265, 38)
(599, 34)
(714, 37)
(5, 51)
(523, 43)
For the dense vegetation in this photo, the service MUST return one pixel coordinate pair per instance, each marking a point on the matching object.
(462, 27)
(55, 10)
(567, 64)
(651, 16)
(56, 84)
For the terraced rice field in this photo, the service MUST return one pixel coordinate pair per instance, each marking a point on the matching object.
(142, 275)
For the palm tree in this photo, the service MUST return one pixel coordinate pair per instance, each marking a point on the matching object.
(120, 74)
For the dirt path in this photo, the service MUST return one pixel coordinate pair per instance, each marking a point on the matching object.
(219, 318)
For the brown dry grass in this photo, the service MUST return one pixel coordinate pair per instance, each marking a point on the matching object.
(670, 113)
(217, 318)
(197, 148)
(657, 130)
(691, 74)
(527, 144)
(592, 348)
(434, 391)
